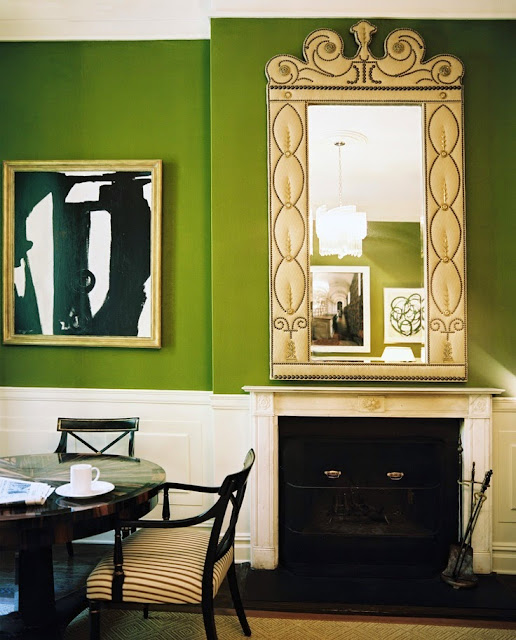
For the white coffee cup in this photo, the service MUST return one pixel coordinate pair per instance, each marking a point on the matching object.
(81, 478)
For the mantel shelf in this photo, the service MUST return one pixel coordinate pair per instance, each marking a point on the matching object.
(438, 390)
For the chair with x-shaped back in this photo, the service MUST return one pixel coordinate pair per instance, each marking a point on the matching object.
(79, 428)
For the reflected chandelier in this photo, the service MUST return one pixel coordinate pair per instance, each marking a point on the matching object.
(341, 229)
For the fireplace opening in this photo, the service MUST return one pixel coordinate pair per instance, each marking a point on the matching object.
(368, 496)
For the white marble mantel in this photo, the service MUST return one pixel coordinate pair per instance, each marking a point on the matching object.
(472, 405)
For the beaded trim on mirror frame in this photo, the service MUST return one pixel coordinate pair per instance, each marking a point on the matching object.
(400, 76)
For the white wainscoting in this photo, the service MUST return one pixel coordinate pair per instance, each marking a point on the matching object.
(199, 437)
(195, 436)
(504, 485)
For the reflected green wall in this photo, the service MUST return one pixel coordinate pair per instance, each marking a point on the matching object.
(240, 50)
(392, 251)
(118, 100)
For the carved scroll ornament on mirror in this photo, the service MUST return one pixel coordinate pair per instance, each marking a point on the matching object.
(366, 175)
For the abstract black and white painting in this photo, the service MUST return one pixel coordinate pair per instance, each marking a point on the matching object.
(81, 253)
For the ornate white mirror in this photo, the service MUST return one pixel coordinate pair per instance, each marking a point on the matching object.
(366, 212)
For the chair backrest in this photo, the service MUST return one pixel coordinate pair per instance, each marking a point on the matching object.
(125, 427)
(231, 496)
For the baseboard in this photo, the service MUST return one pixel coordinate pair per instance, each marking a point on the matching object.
(504, 558)
(242, 547)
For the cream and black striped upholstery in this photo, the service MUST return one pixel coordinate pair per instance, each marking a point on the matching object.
(160, 566)
(173, 562)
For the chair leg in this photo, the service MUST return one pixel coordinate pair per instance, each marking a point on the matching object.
(94, 621)
(69, 548)
(209, 618)
(237, 601)
(145, 611)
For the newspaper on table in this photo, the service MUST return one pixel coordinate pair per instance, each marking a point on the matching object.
(14, 491)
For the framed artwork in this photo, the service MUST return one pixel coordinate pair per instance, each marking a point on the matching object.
(340, 318)
(82, 258)
(403, 310)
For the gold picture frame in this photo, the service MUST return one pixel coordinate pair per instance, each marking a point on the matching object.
(82, 254)
(401, 77)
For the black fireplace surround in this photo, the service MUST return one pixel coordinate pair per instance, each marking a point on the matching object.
(367, 496)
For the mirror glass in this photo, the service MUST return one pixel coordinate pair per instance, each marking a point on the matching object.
(366, 186)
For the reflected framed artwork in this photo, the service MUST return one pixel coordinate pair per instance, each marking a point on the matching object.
(340, 320)
(404, 312)
(82, 257)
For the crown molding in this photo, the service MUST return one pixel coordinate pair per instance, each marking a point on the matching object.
(63, 20)
(427, 9)
(58, 20)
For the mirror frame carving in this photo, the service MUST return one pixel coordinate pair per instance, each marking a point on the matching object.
(401, 76)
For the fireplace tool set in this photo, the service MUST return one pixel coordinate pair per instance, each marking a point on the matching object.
(459, 571)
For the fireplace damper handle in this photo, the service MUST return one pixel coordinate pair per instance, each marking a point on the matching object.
(395, 475)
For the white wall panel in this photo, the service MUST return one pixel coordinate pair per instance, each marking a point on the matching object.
(196, 437)
(231, 441)
(177, 447)
(504, 485)
(199, 437)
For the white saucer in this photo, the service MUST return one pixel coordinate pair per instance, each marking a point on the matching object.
(97, 489)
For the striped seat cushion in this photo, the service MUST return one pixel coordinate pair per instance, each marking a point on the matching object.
(160, 566)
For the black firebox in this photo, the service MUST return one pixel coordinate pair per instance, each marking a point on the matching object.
(368, 496)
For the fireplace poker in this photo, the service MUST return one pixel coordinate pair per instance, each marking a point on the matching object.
(472, 494)
(461, 489)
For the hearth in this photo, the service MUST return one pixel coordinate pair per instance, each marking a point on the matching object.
(369, 496)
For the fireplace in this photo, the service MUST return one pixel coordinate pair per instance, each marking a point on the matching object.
(367, 497)
(470, 407)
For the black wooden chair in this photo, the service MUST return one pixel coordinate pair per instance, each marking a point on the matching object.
(79, 428)
(171, 562)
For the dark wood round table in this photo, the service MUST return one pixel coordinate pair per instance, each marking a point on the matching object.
(32, 530)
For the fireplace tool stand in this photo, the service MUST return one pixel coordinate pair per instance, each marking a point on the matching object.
(459, 571)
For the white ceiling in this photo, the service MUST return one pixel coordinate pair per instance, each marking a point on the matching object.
(382, 160)
(190, 19)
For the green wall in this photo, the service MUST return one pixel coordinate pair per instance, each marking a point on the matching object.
(123, 100)
(88, 100)
(240, 49)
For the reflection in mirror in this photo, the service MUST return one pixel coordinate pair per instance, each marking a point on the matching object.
(340, 311)
(366, 217)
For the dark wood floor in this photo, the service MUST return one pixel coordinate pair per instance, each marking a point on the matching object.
(493, 599)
